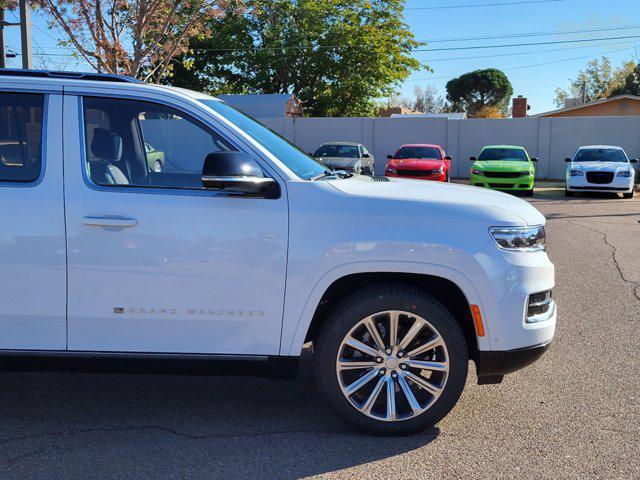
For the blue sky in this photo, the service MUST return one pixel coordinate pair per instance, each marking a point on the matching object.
(534, 71)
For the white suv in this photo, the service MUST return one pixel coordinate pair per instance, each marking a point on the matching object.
(244, 248)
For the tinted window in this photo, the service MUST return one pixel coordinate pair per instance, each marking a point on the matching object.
(339, 151)
(295, 159)
(144, 144)
(20, 136)
(503, 154)
(600, 155)
(418, 152)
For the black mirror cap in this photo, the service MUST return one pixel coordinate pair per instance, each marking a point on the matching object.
(567, 160)
(473, 159)
(448, 157)
(634, 160)
(390, 157)
(366, 155)
(237, 172)
(534, 159)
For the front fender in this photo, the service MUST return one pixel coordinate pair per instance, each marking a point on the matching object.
(299, 313)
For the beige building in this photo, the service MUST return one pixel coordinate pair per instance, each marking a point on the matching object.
(623, 105)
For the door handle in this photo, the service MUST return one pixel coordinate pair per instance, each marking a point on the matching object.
(113, 222)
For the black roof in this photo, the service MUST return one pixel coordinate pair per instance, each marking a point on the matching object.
(102, 77)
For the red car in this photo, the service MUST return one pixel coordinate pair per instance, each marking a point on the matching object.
(420, 161)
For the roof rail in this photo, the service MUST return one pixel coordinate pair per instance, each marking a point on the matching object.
(101, 77)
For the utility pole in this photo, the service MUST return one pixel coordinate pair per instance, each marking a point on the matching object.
(25, 34)
(3, 55)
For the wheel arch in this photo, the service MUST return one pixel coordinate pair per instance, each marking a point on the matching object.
(446, 290)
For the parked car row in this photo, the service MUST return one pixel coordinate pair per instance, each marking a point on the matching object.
(596, 168)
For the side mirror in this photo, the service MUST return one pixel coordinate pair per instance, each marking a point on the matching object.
(473, 159)
(366, 155)
(567, 160)
(236, 172)
(534, 159)
(448, 157)
(634, 160)
(390, 157)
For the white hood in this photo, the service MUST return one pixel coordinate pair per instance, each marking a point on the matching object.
(440, 194)
(600, 166)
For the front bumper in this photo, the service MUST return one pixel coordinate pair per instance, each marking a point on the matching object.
(505, 282)
(580, 184)
(438, 177)
(524, 182)
(492, 366)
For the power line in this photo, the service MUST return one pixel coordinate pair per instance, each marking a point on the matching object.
(479, 5)
(556, 42)
(529, 52)
(532, 34)
(520, 67)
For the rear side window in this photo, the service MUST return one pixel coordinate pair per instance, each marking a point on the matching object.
(143, 144)
(21, 118)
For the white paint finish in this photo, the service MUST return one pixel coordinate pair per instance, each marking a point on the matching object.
(32, 251)
(442, 230)
(196, 274)
(220, 254)
(572, 183)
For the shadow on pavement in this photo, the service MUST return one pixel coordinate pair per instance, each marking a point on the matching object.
(63, 425)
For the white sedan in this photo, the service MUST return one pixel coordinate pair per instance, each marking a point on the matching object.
(600, 168)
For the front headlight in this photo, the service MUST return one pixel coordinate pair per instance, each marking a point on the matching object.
(519, 239)
(477, 172)
(441, 169)
(526, 174)
(626, 174)
(576, 173)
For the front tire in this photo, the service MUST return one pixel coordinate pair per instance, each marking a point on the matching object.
(528, 193)
(628, 195)
(391, 360)
(569, 193)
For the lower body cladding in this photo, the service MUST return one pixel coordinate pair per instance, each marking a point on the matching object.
(518, 310)
(523, 183)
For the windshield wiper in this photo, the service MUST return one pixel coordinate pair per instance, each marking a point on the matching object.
(325, 174)
(335, 173)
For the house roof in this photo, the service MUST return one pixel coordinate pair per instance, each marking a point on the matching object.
(590, 104)
(271, 105)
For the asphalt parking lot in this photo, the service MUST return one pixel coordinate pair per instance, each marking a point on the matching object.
(574, 414)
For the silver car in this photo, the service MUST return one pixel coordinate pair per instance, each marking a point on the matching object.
(348, 156)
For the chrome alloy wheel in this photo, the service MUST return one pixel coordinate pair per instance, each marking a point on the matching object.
(392, 365)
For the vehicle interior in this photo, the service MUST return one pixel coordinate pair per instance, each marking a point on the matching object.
(118, 133)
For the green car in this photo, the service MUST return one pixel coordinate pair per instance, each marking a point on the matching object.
(155, 158)
(504, 167)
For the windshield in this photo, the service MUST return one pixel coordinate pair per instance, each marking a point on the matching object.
(515, 154)
(295, 159)
(340, 151)
(418, 152)
(600, 155)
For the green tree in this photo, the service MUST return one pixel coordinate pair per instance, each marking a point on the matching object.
(629, 84)
(340, 57)
(476, 90)
(600, 80)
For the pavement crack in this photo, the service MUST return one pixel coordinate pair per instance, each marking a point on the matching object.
(614, 251)
(79, 431)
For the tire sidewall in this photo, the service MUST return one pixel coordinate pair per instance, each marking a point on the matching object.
(363, 304)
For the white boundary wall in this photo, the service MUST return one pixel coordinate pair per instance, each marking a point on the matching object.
(549, 139)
